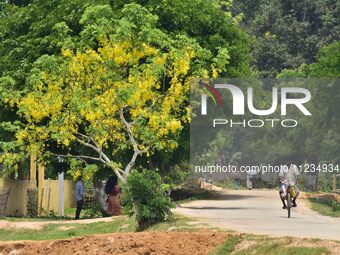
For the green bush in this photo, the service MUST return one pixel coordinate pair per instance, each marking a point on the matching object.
(146, 197)
(94, 212)
(335, 206)
(325, 182)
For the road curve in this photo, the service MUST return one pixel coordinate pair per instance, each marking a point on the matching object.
(260, 212)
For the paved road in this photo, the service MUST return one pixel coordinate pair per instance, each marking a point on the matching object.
(260, 212)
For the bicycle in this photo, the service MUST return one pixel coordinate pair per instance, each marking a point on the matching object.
(288, 194)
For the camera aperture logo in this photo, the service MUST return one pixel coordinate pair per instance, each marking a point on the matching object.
(302, 96)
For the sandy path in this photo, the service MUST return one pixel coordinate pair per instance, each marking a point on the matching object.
(260, 212)
(37, 225)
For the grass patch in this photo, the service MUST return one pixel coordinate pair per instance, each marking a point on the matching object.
(282, 249)
(53, 231)
(177, 222)
(228, 246)
(120, 224)
(71, 212)
(39, 218)
(259, 245)
(324, 207)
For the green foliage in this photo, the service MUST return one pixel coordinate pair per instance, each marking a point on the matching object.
(33, 36)
(335, 206)
(52, 214)
(81, 168)
(325, 182)
(316, 138)
(177, 174)
(205, 22)
(146, 196)
(94, 212)
(32, 212)
(288, 33)
(326, 207)
(328, 62)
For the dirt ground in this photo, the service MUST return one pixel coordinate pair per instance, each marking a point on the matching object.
(146, 243)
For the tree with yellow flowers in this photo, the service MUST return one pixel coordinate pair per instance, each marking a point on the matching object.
(121, 87)
(37, 76)
(110, 83)
(108, 100)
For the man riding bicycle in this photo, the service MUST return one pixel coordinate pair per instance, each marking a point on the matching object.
(289, 172)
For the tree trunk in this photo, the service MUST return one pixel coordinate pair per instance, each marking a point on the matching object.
(151, 165)
(139, 218)
(100, 194)
(12, 176)
(20, 172)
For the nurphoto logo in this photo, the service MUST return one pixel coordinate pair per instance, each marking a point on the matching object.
(282, 98)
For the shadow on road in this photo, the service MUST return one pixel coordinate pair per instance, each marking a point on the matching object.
(225, 196)
(285, 217)
(214, 208)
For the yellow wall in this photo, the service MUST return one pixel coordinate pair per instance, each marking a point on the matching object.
(69, 198)
(17, 201)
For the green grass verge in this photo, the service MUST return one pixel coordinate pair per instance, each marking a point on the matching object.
(120, 224)
(324, 208)
(227, 247)
(259, 245)
(177, 222)
(40, 218)
(54, 231)
(279, 248)
(71, 212)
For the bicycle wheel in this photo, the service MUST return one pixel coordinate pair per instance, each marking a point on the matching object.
(289, 204)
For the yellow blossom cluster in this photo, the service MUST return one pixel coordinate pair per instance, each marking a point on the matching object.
(89, 91)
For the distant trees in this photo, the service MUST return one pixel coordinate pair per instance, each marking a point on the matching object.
(288, 33)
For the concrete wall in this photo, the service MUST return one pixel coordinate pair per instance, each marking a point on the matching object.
(52, 185)
(51, 201)
(17, 201)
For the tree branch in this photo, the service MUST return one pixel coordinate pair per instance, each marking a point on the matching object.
(74, 156)
(136, 150)
(129, 131)
(88, 144)
(102, 157)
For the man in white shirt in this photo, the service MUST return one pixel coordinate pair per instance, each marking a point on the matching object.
(289, 172)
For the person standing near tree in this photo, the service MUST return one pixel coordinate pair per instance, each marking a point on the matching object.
(236, 183)
(249, 181)
(79, 192)
(112, 190)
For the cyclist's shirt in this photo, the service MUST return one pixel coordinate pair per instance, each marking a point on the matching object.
(290, 174)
